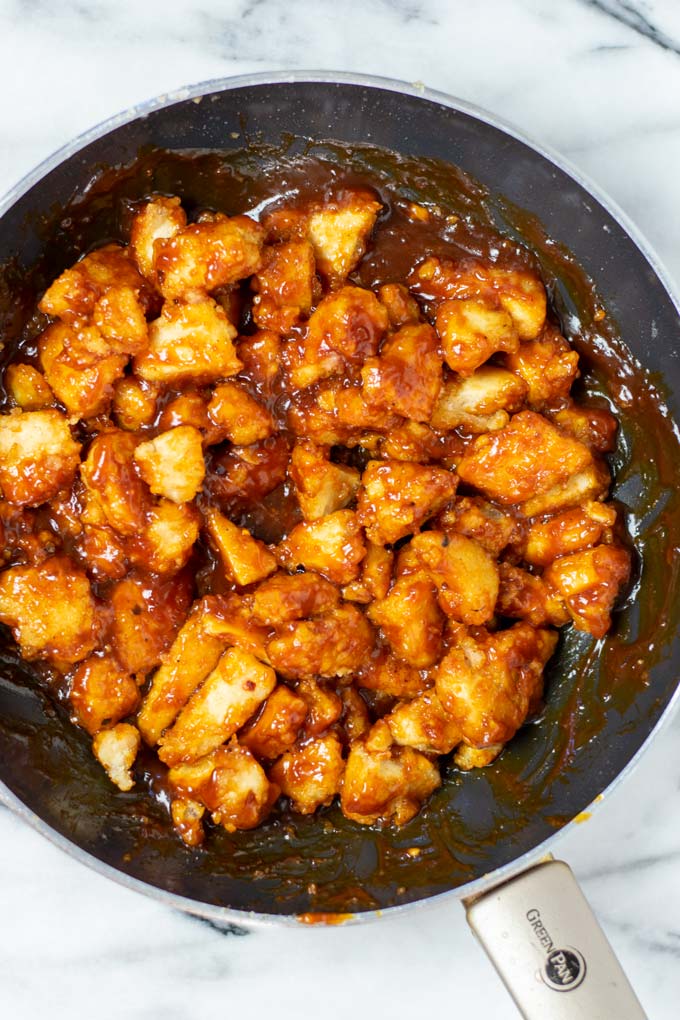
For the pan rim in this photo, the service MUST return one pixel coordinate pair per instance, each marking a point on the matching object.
(215, 912)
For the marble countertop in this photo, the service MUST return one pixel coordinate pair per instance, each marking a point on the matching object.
(599, 80)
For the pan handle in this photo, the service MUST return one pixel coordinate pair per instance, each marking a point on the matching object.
(542, 937)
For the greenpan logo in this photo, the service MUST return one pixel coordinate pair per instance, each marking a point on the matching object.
(564, 969)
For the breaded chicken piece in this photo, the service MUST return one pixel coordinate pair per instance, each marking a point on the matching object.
(523, 596)
(411, 620)
(284, 285)
(101, 693)
(188, 344)
(74, 295)
(339, 231)
(225, 700)
(204, 256)
(147, 613)
(526, 458)
(322, 487)
(114, 492)
(465, 574)
(548, 365)
(277, 726)
(172, 463)
(567, 532)
(333, 547)
(261, 358)
(155, 221)
(134, 403)
(376, 576)
(595, 427)
(424, 725)
(194, 653)
(489, 684)
(324, 706)
(396, 497)
(589, 582)
(38, 456)
(50, 610)
(285, 597)
(387, 674)
(166, 540)
(482, 402)
(245, 559)
(239, 417)
(332, 644)
(116, 749)
(310, 774)
(474, 517)
(230, 783)
(401, 307)
(406, 377)
(471, 331)
(27, 387)
(346, 326)
(80, 368)
(387, 785)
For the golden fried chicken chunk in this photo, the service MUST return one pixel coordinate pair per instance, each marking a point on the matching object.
(411, 620)
(101, 693)
(167, 538)
(322, 487)
(114, 493)
(116, 749)
(333, 547)
(38, 456)
(346, 326)
(548, 365)
(324, 706)
(488, 685)
(310, 774)
(589, 582)
(74, 295)
(203, 256)
(261, 358)
(284, 285)
(339, 232)
(376, 576)
(386, 785)
(193, 655)
(225, 700)
(401, 307)
(147, 613)
(396, 497)
(155, 221)
(471, 331)
(230, 618)
(285, 597)
(386, 673)
(406, 377)
(244, 558)
(231, 784)
(567, 532)
(465, 574)
(595, 427)
(188, 343)
(474, 517)
(482, 402)
(239, 417)
(277, 726)
(172, 464)
(526, 458)
(331, 644)
(134, 403)
(424, 725)
(50, 610)
(80, 368)
(523, 596)
(27, 387)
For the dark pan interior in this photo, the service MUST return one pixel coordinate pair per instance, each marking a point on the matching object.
(603, 699)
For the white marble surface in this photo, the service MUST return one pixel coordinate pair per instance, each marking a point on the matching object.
(599, 81)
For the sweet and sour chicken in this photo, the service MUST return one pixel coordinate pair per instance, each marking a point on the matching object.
(297, 536)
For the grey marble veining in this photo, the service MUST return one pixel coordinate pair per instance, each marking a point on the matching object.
(599, 80)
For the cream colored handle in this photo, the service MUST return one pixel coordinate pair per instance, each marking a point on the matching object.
(555, 960)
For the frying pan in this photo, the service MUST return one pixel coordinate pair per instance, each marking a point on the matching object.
(484, 838)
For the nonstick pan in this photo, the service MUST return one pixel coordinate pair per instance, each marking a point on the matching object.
(485, 837)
